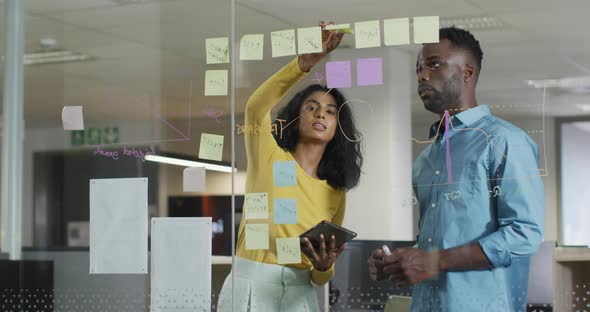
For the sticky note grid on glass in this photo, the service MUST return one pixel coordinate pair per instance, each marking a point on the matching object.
(396, 31)
(288, 250)
(211, 146)
(284, 173)
(216, 82)
(252, 47)
(217, 50)
(256, 206)
(309, 39)
(256, 236)
(367, 34)
(338, 74)
(283, 43)
(426, 29)
(369, 71)
(285, 211)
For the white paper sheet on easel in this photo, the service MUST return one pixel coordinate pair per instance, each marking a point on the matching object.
(118, 226)
(181, 264)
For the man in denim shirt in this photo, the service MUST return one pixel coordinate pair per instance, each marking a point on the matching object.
(480, 193)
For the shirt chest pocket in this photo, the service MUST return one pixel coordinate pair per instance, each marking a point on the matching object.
(464, 184)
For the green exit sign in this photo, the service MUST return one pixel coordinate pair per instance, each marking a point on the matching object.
(95, 136)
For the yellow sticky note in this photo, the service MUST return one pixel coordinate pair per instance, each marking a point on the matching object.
(426, 29)
(217, 50)
(396, 31)
(216, 82)
(367, 34)
(309, 39)
(283, 43)
(211, 146)
(256, 236)
(256, 206)
(252, 47)
(337, 26)
(288, 250)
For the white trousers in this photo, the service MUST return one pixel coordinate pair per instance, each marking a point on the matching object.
(267, 288)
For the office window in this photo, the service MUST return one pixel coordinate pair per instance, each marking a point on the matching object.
(575, 198)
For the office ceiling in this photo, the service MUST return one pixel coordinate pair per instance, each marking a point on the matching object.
(147, 53)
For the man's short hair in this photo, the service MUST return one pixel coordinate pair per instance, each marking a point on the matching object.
(464, 40)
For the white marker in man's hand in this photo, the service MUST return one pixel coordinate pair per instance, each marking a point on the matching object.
(386, 250)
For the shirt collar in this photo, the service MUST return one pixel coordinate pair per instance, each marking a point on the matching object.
(467, 117)
(470, 116)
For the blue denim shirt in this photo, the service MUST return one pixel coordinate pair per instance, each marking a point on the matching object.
(492, 196)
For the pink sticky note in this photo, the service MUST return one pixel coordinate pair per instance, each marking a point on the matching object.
(338, 74)
(369, 71)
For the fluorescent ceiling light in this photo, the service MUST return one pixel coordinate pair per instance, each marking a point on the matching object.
(479, 22)
(567, 83)
(584, 107)
(188, 163)
(51, 57)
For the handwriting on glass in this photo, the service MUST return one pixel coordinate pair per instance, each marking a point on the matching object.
(292, 250)
(369, 33)
(218, 54)
(495, 192)
(283, 39)
(217, 83)
(286, 205)
(250, 43)
(409, 202)
(130, 152)
(255, 129)
(212, 142)
(453, 195)
(317, 77)
(213, 113)
(256, 204)
(312, 43)
(285, 175)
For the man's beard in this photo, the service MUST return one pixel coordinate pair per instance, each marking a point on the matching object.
(447, 99)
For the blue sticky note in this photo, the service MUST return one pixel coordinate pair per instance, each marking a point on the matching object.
(283, 173)
(285, 211)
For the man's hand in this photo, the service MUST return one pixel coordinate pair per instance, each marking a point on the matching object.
(411, 265)
(330, 41)
(323, 258)
(376, 266)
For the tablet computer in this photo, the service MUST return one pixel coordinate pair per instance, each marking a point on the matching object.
(342, 235)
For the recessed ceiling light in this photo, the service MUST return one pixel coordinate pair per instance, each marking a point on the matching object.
(472, 22)
(51, 57)
(579, 85)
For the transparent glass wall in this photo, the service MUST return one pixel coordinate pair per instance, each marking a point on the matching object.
(113, 91)
(153, 166)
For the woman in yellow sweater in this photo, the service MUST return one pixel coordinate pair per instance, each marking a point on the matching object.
(306, 168)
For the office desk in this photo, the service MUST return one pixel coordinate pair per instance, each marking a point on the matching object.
(571, 279)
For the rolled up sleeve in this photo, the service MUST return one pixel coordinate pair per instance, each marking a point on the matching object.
(515, 174)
